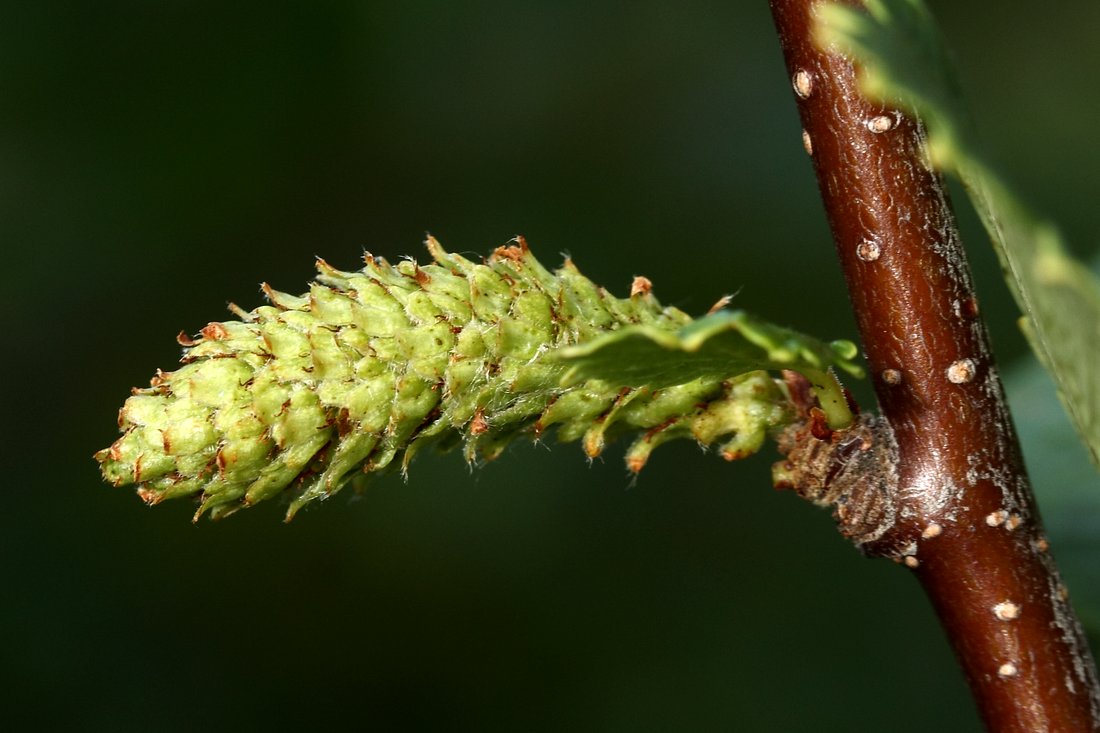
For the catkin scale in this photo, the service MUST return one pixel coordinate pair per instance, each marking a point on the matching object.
(362, 372)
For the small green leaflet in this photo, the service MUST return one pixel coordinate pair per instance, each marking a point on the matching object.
(717, 345)
(905, 64)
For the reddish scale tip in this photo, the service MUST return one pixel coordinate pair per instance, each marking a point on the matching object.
(640, 286)
(214, 331)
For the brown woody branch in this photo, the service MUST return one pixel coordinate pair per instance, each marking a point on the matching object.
(964, 517)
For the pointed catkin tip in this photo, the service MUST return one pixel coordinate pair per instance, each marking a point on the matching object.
(435, 249)
(720, 304)
(641, 286)
(593, 443)
(214, 331)
(479, 425)
(239, 312)
(151, 498)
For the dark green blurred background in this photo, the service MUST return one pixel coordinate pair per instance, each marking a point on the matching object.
(160, 158)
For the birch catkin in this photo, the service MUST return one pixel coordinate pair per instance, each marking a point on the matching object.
(300, 397)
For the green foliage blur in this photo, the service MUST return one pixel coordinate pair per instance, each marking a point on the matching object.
(159, 159)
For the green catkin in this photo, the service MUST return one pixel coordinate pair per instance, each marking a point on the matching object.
(304, 395)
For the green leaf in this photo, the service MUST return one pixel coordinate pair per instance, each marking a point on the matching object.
(904, 64)
(716, 346)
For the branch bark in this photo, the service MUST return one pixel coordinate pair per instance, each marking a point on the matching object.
(963, 515)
